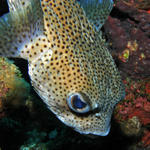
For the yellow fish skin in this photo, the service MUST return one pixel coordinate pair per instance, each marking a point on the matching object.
(69, 65)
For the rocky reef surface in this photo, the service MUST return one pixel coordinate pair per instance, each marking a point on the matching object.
(128, 32)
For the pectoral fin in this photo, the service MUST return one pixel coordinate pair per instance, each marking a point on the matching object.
(20, 26)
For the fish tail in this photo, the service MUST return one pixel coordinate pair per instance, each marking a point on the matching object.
(97, 11)
(18, 27)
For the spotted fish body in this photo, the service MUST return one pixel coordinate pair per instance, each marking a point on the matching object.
(68, 60)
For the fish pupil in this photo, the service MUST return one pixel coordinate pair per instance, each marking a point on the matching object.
(77, 102)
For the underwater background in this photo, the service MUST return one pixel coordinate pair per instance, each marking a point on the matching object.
(27, 124)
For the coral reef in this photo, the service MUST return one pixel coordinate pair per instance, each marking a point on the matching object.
(133, 113)
(128, 32)
(40, 146)
(131, 126)
(14, 90)
(129, 36)
(140, 4)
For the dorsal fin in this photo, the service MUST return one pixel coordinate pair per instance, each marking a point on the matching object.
(65, 21)
(97, 11)
(20, 26)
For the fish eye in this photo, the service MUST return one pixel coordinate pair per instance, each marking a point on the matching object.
(77, 103)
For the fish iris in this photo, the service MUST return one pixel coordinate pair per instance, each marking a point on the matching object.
(77, 102)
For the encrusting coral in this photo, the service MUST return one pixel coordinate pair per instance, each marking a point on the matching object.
(133, 113)
(14, 90)
(128, 33)
(141, 4)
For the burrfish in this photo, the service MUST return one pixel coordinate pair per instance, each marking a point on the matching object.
(70, 66)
